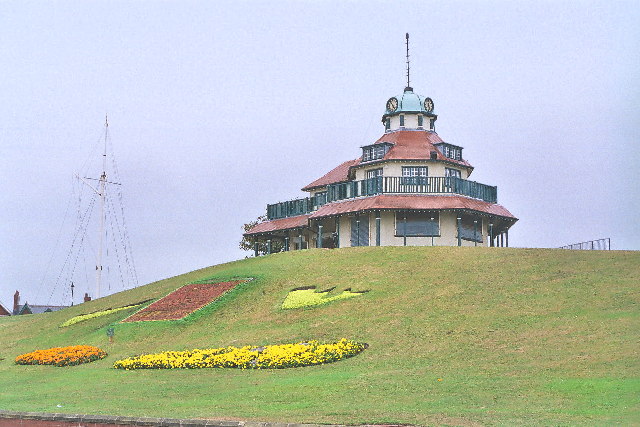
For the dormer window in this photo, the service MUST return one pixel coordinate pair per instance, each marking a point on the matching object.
(387, 124)
(375, 151)
(450, 151)
(432, 124)
(420, 121)
(401, 119)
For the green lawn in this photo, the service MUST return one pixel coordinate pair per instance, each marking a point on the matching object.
(458, 336)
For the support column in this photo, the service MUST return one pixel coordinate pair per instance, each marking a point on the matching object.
(269, 247)
(357, 231)
(404, 230)
(338, 231)
(300, 237)
(432, 220)
(377, 228)
(255, 248)
(319, 241)
(475, 232)
(491, 234)
(506, 234)
(459, 221)
(286, 244)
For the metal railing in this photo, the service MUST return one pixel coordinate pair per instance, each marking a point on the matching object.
(384, 185)
(591, 245)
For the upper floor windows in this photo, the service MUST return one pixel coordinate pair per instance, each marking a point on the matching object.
(375, 151)
(374, 173)
(401, 120)
(452, 172)
(420, 120)
(449, 150)
(414, 171)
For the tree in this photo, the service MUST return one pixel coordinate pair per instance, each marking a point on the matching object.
(248, 243)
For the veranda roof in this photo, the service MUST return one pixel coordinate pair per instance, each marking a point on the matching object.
(279, 225)
(410, 202)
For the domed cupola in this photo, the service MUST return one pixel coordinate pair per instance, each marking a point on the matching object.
(409, 111)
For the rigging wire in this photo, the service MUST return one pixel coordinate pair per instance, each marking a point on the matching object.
(55, 246)
(114, 233)
(80, 230)
(128, 249)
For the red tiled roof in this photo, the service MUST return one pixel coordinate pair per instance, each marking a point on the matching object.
(338, 174)
(426, 202)
(415, 145)
(407, 145)
(280, 224)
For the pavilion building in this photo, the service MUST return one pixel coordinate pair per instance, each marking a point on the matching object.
(407, 188)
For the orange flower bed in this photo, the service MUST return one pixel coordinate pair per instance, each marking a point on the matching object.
(62, 356)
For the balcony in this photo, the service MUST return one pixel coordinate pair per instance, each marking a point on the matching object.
(384, 185)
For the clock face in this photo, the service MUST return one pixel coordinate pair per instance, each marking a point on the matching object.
(428, 105)
(392, 104)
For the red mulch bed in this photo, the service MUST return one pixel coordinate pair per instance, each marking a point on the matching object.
(183, 301)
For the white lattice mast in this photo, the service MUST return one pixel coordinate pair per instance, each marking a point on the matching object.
(102, 187)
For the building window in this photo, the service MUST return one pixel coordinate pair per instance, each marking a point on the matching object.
(451, 151)
(448, 172)
(401, 119)
(470, 230)
(432, 124)
(360, 230)
(414, 175)
(420, 120)
(319, 199)
(417, 224)
(373, 183)
(415, 171)
(387, 124)
(374, 173)
(375, 151)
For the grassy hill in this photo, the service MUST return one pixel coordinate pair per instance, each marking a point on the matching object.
(458, 336)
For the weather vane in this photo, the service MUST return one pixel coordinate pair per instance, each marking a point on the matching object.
(408, 82)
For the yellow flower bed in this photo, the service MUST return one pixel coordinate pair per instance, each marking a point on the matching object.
(307, 297)
(83, 317)
(267, 357)
(62, 356)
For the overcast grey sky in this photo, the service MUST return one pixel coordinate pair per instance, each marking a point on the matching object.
(218, 108)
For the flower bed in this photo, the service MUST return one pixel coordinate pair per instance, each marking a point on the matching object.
(183, 301)
(83, 317)
(307, 297)
(267, 357)
(62, 356)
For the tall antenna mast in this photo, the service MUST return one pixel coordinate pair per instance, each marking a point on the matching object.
(408, 81)
(101, 193)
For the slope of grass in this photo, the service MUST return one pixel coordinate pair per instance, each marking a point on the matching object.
(458, 336)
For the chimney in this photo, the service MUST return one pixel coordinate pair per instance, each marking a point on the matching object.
(16, 302)
(87, 298)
